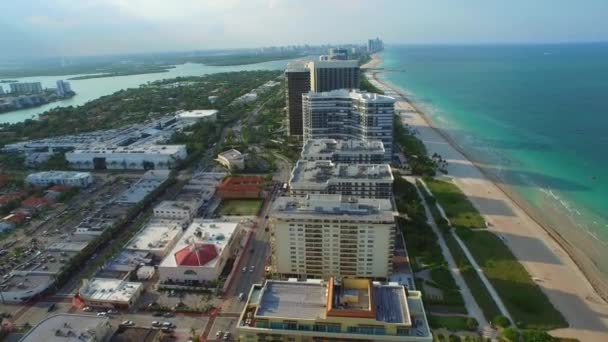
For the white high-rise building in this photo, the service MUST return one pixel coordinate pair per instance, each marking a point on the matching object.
(319, 236)
(327, 177)
(63, 88)
(349, 114)
(344, 151)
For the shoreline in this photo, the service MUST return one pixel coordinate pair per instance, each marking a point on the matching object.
(549, 236)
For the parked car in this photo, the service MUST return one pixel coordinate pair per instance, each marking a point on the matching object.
(156, 324)
(251, 268)
(52, 307)
(168, 314)
(244, 269)
(102, 314)
(157, 314)
(241, 296)
(226, 336)
(112, 312)
(218, 334)
(127, 323)
(87, 309)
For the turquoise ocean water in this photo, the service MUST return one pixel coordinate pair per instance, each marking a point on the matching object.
(536, 115)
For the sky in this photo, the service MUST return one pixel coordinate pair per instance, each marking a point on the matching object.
(44, 28)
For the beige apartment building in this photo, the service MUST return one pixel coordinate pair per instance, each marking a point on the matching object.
(319, 236)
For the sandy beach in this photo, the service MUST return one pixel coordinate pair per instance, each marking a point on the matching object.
(546, 256)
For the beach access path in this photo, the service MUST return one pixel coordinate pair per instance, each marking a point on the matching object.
(556, 273)
(469, 300)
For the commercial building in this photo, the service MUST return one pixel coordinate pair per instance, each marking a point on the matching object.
(143, 157)
(63, 88)
(67, 178)
(331, 75)
(336, 310)
(344, 151)
(349, 114)
(319, 236)
(231, 159)
(109, 293)
(193, 116)
(157, 237)
(241, 187)
(297, 78)
(201, 253)
(175, 210)
(327, 177)
(70, 327)
(149, 182)
(375, 45)
(26, 88)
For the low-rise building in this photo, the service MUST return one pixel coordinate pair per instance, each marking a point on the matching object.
(70, 327)
(337, 310)
(128, 261)
(344, 151)
(67, 178)
(241, 187)
(331, 235)
(141, 157)
(326, 177)
(201, 253)
(175, 210)
(231, 159)
(191, 117)
(109, 293)
(149, 182)
(157, 237)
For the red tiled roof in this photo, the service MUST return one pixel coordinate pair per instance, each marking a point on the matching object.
(59, 188)
(196, 254)
(34, 202)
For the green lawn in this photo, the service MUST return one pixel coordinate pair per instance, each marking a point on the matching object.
(478, 289)
(523, 297)
(239, 207)
(457, 207)
(455, 323)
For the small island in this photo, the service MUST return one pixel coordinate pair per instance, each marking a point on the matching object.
(31, 94)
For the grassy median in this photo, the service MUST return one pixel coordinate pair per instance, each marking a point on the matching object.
(459, 210)
(526, 302)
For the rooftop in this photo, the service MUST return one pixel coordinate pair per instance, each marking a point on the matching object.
(156, 235)
(149, 149)
(146, 184)
(352, 94)
(201, 233)
(197, 113)
(295, 300)
(331, 146)
(171, 205)
(110, 290)
(66, 327)
(333, 207)
(334, 64)
(127, 259)
(59, 175)
(231, 154)
(320, 300)
(325, 171)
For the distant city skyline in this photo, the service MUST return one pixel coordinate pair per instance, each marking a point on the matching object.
(37, 28)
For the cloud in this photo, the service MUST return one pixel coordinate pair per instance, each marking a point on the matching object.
(46, 22)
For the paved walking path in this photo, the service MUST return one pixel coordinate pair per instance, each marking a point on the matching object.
(469, 301)
(484, 279)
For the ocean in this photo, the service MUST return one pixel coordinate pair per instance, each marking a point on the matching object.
(536, 117)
